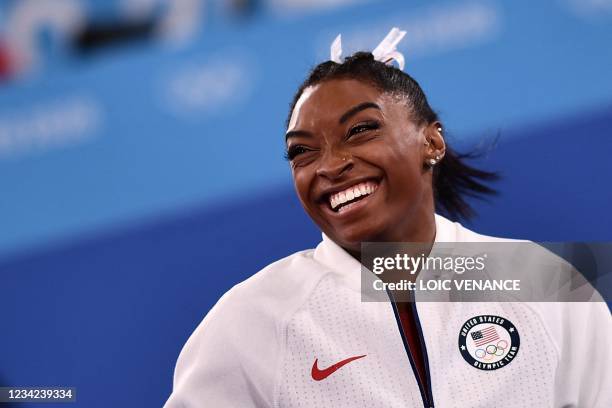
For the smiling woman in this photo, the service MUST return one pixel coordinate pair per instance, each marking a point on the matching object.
(370, 164)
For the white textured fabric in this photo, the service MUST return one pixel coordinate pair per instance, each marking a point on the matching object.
(314, 332)
(257, 346)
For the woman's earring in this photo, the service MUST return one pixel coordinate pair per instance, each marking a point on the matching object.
(432, 162)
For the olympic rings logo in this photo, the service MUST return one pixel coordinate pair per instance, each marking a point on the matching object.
(492, 351)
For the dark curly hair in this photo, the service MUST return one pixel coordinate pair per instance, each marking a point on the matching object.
(453, 178)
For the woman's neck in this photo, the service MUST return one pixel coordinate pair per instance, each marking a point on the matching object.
(423, 232)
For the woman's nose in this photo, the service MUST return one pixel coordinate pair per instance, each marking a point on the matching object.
(334, 165)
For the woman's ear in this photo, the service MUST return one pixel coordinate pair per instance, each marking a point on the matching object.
(435, 147)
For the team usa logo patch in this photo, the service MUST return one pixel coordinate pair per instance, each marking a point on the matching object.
(489, 342)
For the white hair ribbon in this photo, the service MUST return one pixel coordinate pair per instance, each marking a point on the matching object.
(385, 52)
(336, 50)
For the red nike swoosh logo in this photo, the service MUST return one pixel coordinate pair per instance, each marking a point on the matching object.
(319, 375)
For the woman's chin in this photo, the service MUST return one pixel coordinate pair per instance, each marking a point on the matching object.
(352, 237)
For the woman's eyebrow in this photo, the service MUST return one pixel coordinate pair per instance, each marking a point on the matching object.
(297, 133)
(356, 109)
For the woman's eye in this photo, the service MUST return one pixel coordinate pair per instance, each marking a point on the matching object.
(363, 127)
(295, 151)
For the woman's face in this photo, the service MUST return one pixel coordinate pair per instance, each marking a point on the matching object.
(357, 161)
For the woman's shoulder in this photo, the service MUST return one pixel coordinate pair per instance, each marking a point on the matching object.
(268, 297)
(292, 274)
(274, 291)
(247, 321)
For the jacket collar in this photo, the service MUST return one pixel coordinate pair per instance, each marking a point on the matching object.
(335, 258)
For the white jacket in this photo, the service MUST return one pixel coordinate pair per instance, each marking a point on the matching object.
(257, 347)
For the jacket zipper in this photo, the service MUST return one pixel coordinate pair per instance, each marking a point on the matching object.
(423, 353)
(426, 394)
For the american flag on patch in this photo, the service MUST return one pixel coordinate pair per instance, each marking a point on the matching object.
(484, 336)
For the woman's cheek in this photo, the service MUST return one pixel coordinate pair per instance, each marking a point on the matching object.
(299, 183)
(303, 181)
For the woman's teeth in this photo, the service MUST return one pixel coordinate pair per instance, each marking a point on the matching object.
(338, 200)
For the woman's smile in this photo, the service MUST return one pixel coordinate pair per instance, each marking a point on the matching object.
(345, 199)
(351, 201)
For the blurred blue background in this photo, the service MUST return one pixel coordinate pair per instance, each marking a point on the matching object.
(141, 144)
